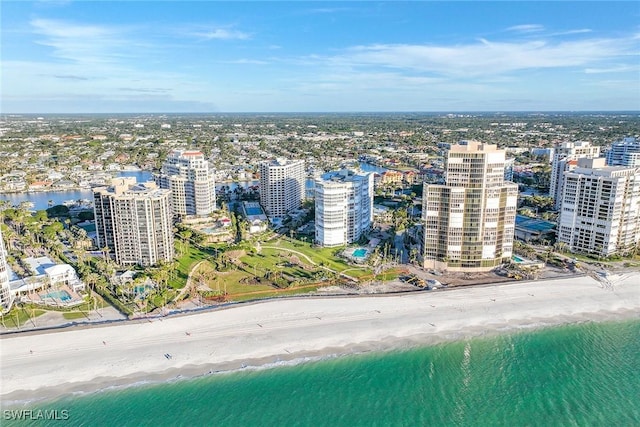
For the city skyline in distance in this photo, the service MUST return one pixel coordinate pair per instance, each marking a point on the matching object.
(200, 57)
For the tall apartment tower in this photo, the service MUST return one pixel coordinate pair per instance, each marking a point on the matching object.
(624, 153)
(344, 206)
(600, 212)
(6, 298)
(192, 183)
(469, 222)
(134, 220)
(565, 158)
(281, 186)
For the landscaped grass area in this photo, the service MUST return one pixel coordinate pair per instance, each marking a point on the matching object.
(275, 293)
(280, 267)
(327, 257)
(248, 281)
(190, 256)
(18, 316)
(276, 260)
(72, 315)
(231, 280)
(390, 274)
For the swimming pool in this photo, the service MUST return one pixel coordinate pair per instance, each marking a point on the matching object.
(359, 253)
(253, 211)
(517, 259)
(61, 295)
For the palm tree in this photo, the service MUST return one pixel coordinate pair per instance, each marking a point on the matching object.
(91, 279)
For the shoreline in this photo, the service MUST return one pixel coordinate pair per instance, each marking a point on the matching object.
(274, 333)
(90, 188)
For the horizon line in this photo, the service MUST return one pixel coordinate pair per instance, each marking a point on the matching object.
(323, 112)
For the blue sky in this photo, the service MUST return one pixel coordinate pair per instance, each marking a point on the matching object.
(211, 56)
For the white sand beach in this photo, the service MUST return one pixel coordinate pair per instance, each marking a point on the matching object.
(47, 364)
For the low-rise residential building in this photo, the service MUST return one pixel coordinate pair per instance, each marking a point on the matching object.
(254, 215)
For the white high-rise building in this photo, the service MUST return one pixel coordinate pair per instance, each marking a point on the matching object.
(600, 210)
(134, 220)
(6, 297)
(344, 206)
(624, 153)
(281, 186)
(191, 181)
(469, 222)
(565, 157)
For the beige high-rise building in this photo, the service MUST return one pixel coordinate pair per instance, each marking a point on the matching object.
(6, 297)
(565, 158)
(191, 181)
(282, 186)
(134, 220)
(469, 222)
(600, 209)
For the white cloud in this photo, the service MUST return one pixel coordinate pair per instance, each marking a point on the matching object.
(245, 61)
(526, 28)
(223, 34)
(83, 43)
(569, 32)
(613, 69)
(484, 58)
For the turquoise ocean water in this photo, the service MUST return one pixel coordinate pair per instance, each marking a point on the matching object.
(577, 375)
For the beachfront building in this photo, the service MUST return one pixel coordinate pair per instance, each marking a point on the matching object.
(281, 186)
(134, 221)
(565, 158)
(600, 211)
(191, 181)
(6, 297)
(469, 221)
(48, 283)
(344, 207)
(624, 153)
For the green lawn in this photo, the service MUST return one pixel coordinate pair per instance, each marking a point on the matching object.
(275, 258)
(19, 316)
(240, 284)
(390, 274)
(278, 260)
(74, 315)
(275, 293)
(358, 272)
(325, 256)
(191, 255)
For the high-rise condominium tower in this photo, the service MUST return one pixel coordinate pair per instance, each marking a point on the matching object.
(344, 206)
(6, 299)
(134, 221)
(281, 186)
(600, 209)
(624, 153)
(565, 158)
(192, 183)
(469, 222)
